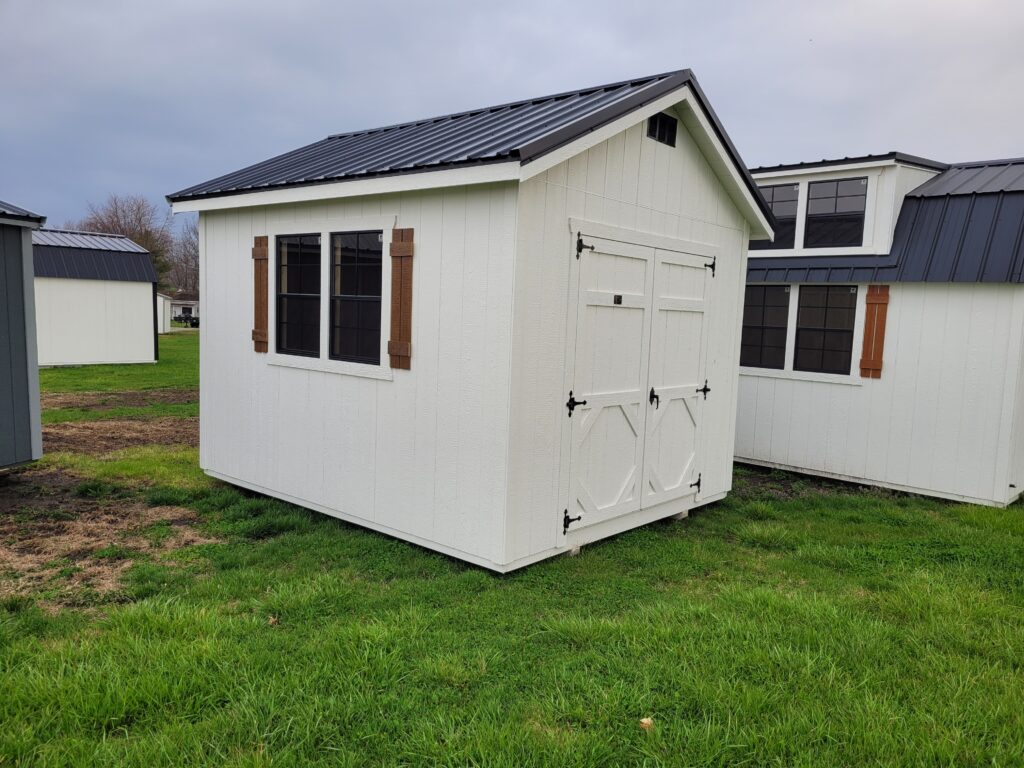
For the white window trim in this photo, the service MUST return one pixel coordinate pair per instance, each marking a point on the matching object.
(868, 246)
(851, 379)
(324, 363)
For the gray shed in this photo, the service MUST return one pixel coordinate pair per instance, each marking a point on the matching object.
(20, 434)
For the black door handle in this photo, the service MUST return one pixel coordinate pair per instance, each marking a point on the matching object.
(654, 399)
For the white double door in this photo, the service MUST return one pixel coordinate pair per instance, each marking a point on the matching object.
(639, 366)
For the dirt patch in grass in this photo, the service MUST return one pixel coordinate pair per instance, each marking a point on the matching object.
(105, 401)
(103, 436)
(55, 538)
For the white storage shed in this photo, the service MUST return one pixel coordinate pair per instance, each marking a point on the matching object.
(884, 327)
(163, 313)
(498, 334)
(96, 299)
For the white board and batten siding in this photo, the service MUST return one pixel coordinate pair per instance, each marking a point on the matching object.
(632, 184)
(81, 322)
(420, 454)
(944, 419)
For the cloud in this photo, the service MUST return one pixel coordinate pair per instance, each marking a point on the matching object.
(117, 96)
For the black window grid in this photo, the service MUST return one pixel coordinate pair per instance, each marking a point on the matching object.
(765, 326)
(835, 213)
(355, 296)
(297, 305)
(826, 317)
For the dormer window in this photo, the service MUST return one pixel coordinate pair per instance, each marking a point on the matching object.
(782, 199)
(835, 213)
(662, 127)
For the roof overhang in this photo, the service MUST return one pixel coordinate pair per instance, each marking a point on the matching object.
(490, 173)
(22, 221)
(680, 93)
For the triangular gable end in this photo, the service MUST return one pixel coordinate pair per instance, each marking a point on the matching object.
(689, 104)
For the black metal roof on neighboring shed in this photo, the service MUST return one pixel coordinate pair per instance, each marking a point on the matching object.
(520, 130)
(899, 157)
(11, 211)
(965, 225)
(90, 256)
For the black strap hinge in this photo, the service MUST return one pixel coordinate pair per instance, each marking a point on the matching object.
(567, 521)
(704, 390)
(696, 484)
(711, 266)
(580, 246)
(572, 402)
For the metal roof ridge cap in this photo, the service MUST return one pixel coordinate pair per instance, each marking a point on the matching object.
(512, 104)
(551, 140)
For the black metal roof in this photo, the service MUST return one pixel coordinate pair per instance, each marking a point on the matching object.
(518, 131)
(90, 256)
(975, 178)
(965, 225)
(899, 157)
(11, 211)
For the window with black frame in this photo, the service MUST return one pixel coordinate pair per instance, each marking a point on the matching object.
(835, 213)
(782, 199)
(824, 328)
(765, 320)
(356, 273)
(298, 295)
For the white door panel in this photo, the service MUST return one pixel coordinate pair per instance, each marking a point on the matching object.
(613, 338)
(675, 375)
(639, 325)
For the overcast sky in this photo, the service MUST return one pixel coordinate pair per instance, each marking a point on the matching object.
(142, 97)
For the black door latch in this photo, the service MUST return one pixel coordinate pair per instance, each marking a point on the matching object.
(572, 402)
(697, 484)
(654, 399)
(580, 246)
(704, 390)
(567, 521)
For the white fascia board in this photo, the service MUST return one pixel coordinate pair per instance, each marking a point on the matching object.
(380, 185)
(821, 169)
(732, 179)
(23, 223)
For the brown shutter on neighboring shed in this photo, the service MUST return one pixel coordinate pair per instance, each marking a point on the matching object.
(260, 281)
(400, 343)
(874, 331)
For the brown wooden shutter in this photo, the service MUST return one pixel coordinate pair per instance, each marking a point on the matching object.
(400, 343)
(874, 331)
(260, 281)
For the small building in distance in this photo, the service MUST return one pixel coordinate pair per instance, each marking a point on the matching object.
(96, 299)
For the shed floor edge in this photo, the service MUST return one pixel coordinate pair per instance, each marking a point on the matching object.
(881, 484)
(362, 522)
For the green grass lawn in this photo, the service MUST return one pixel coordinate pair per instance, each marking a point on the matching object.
(831, 627)
(178, 368)
(796, 623)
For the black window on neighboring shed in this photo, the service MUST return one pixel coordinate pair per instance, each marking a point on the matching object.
(835, 213)
(824, 328)
(298, 295)
(356, 269)
(765, 318)
(782, 199)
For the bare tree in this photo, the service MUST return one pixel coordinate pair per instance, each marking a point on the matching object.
(184, 274)
(136, 217)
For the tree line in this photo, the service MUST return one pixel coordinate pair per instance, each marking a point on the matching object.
(175, 253)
